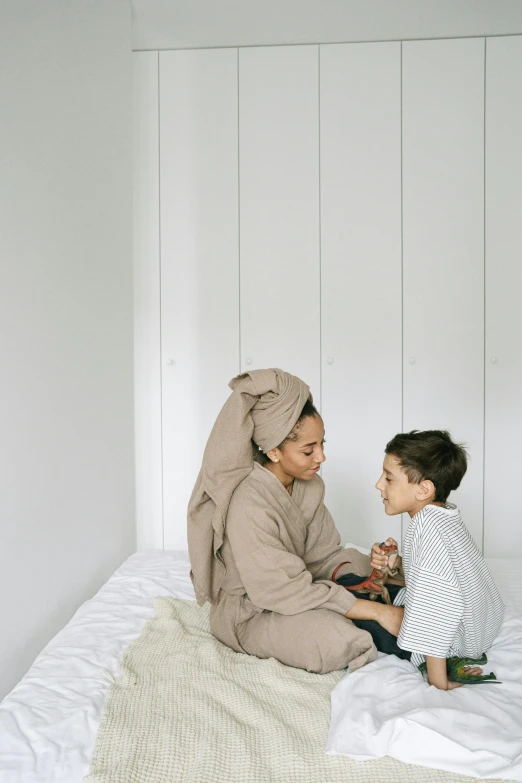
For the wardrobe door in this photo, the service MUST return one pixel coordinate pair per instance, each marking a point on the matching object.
(199, 262)
(361, 279)
(147, 360)
(502, 528)
(279, 210)
(443, 250)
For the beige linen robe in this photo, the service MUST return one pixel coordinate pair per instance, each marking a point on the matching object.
(276, 598)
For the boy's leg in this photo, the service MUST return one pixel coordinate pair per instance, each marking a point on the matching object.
(383, 640)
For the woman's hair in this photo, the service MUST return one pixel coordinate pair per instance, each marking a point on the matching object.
(308, 411)
(430, 455)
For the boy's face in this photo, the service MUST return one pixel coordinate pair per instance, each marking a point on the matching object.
(399, 496)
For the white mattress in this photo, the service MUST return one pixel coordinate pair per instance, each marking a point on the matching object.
(474, 731)
(48, 723)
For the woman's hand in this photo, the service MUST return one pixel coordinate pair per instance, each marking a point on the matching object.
(389, 616)
(378, 558)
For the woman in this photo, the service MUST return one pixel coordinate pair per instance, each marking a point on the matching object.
(263, 545)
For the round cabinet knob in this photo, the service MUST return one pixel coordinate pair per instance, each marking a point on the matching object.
(412, 360)
(494, 360)
(171, 361)
(248, 360)
(329, 360)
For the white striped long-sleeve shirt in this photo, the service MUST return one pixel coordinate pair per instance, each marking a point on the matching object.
(451, 604)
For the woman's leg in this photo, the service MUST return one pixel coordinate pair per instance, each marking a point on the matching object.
(319, 640)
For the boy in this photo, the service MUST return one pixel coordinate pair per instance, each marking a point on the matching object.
(452, 607)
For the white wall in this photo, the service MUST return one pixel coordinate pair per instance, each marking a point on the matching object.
(184, 24)
(391, 137)
(503, 317)
(66, 401)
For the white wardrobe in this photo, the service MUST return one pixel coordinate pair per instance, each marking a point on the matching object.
(351, 213)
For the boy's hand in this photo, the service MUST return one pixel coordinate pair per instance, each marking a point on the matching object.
(473, 670)
(378, 559)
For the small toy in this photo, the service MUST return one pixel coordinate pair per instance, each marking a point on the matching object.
(455, 669)
(374, 584)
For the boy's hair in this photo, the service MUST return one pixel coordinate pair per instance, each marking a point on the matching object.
(430, 455)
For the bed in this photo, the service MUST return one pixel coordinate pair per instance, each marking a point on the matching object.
(48, 723)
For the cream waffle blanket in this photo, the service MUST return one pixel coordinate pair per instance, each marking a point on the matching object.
(187, 709)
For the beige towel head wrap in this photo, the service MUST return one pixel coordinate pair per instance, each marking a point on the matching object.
(264, 405)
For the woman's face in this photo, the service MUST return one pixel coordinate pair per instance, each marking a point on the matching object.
(303, 457)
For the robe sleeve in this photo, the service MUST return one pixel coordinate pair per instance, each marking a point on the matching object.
(275, 579)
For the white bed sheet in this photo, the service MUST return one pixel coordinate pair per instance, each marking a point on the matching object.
(387, 709)
(48, 723)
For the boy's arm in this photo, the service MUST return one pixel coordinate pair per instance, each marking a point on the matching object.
(437, 674)
(433, 610)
